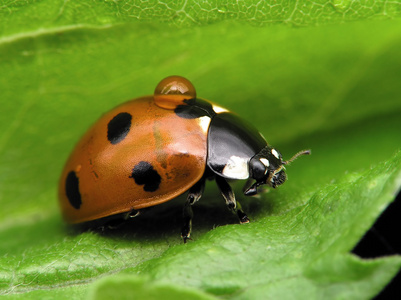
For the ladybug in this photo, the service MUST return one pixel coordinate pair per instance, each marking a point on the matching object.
(152, 149)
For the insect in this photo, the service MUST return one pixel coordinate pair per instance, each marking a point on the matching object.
(152, 149)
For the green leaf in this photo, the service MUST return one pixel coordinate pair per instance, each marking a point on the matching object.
(127, 287)
(334, 89)
(309, 243)
(36, 17)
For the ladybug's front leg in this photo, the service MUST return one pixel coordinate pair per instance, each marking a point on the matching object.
(229, 196)
(194, 194)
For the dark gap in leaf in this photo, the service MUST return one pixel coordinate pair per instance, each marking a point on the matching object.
(383, 239)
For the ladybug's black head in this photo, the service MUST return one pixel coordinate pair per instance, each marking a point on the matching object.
(267, 167)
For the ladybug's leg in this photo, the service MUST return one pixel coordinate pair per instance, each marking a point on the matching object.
(229, 196)
(132, 214)
(116, 223)
(194, 194)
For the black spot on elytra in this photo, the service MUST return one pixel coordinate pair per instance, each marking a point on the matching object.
(144, 174)
(194, 108)
(72, 190)
(118, 127)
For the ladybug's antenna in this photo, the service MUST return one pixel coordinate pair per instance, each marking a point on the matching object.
(303, 152)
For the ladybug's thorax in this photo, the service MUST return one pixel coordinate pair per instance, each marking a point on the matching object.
(232, 143)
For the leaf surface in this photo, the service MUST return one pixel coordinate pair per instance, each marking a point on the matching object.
(333, 88)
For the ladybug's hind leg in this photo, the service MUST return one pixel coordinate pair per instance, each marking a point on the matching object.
(231, 203)
(194, 194)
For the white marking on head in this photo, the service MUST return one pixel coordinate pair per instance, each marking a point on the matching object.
(236, 168)
(275, 153)
(266, 163)
(204, 123)
(218, 109)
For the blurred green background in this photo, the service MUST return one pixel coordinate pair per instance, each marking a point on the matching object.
(323, 75)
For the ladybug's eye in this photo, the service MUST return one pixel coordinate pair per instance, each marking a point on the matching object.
(258, 167)
(172, 91)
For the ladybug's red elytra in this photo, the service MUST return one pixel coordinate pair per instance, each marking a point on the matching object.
(152, 149)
